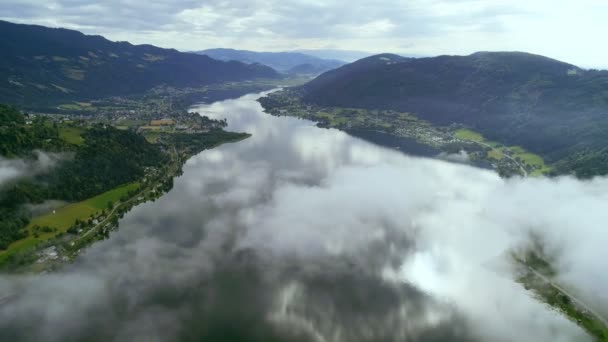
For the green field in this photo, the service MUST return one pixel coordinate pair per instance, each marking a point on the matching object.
(130, 122)
(336, 117)
(76, 106)
(69, 106)
(530, 158)
(72, 135)
(64, 218)
(152, 137)
(333, 118)
(152, 128)
(467, 134)
(540, 168)
(497, 152)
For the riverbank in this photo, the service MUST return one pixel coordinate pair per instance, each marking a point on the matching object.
(57, 237)
(412, 135)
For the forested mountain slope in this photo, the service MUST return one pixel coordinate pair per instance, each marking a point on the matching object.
(550, 107)
(41, 66)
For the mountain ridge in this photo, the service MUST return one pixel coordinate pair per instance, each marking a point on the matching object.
(548, 106)
(44, 66)
(286, 62)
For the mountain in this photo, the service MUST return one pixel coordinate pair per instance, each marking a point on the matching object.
(41, 66)
(286, 62)
(550, 107)
(306, 69)
(342, 55)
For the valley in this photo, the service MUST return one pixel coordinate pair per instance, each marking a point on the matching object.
(294, 171)
(295, 150)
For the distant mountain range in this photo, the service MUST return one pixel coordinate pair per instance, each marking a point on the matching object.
(550, 107)
(285, 62)
(41, 66)
(341, 55)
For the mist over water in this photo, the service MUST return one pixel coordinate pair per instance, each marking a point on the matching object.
(307, 234)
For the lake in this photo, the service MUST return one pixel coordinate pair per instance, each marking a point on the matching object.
(297, 233)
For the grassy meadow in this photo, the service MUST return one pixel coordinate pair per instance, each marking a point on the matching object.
(64, 217)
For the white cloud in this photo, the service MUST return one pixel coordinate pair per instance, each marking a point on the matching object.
(39, 162)
(320, 232)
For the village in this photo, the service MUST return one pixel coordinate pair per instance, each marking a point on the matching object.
(176, 132)
(507, 161)
(149, 115)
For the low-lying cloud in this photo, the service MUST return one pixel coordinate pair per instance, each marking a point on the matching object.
(40, 162)
(306, 234)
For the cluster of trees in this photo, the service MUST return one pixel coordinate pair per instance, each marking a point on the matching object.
(194, 143)
(109, 158)
(16, 138)
(12, 221)
(584, 164)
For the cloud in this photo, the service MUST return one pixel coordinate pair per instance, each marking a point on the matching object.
(414, 27)
(12, 169)
(308, 234)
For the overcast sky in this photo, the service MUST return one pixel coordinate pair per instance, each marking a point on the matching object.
(572, 31)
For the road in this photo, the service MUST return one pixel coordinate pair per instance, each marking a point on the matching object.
(523, 170)
(141, 193)
(578, 301)
(100, 224)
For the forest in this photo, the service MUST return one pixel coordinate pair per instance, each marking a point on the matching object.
(17, 138)
(551, 108)
(108, 158)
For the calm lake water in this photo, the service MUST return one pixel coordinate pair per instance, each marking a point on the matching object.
(296, 233)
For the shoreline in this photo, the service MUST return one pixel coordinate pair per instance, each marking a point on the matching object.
(30, 255)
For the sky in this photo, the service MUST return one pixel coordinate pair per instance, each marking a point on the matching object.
(567, 30)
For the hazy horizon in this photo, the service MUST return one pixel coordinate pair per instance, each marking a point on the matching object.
(418, 27)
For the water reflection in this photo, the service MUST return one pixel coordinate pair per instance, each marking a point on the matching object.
(296, 233)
